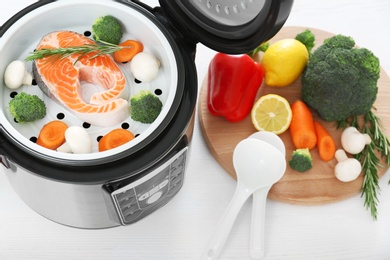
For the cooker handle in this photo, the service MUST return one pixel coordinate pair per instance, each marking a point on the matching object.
(4, 161)
(7, 151)
(143, 5)
(22, 13)
(3, 158)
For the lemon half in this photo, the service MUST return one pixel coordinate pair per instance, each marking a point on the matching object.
(271, 113)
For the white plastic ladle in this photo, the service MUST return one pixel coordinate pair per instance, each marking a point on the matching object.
(257, 164)
(256, 246)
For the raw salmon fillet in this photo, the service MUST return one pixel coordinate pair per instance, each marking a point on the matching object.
(61, 80)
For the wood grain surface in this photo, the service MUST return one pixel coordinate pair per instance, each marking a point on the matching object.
(314, 187)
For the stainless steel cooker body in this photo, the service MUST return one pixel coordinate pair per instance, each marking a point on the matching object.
(123, 186)
(108, 203)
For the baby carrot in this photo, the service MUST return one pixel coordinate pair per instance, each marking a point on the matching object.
(127, 54)
(325, 143)
(114, 139)
(302, 127)
(52, 135)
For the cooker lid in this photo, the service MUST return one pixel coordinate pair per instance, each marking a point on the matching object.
(229, 26)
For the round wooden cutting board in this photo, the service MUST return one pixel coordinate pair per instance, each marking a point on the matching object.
(313, 187)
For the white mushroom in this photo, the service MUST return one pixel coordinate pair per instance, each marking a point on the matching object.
(16, 75)
(64, 148)
(144, 66)
(347, 169)
(353, 141)
(77, 141)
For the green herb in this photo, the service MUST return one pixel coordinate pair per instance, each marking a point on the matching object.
(368, 157)
(61, 53)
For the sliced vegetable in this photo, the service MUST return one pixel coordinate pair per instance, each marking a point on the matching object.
(127, 54)
(233, 82)
(52, 135)
(302, 126)
(325, 142)
(115, 138)
(16, 75)
(271, 113)
(347, 169)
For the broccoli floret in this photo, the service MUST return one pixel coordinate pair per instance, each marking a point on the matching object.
(340, 41)
(301, 160)
(307, 38)
(261, 48)
(107, 29)
(340, 80)
(145, 107)
(27, 108)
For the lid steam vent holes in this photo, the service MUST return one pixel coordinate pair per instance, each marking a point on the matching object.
(230, 12)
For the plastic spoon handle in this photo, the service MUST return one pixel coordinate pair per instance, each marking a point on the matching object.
(215, 245)
(256, 250)
(259, 199)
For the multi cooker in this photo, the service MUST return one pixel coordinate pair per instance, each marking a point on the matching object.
(122, 185)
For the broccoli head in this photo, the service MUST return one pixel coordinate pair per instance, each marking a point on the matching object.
(145, 107)
(27, 108)
(107, 29)
(301, 160)
(340, 80)
(307, 38)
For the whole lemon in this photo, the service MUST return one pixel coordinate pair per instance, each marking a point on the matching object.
(284, 61)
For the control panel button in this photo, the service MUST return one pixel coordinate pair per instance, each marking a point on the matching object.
(163, 184)
(143, 196)
(155, 197)
(154, 190)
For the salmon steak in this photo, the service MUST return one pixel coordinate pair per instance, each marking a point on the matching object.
(62, 79)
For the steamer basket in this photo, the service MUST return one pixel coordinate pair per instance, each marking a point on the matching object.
(23, 38)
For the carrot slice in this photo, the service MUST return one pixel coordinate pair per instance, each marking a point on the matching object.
(325, 143)
(52, 135)
(302, 127)
(127, 54)
(114, 139)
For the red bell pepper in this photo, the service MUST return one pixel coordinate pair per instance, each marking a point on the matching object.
(233, 82)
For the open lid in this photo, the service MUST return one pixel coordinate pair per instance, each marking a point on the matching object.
(229, 26)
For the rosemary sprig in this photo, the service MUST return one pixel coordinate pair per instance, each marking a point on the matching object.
(369, 159)
(60, 53)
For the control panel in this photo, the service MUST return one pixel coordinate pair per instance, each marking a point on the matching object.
(143, 196)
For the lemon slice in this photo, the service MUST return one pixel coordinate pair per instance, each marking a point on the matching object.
(271, 113)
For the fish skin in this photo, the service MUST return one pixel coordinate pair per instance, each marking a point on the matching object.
(61, 81)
